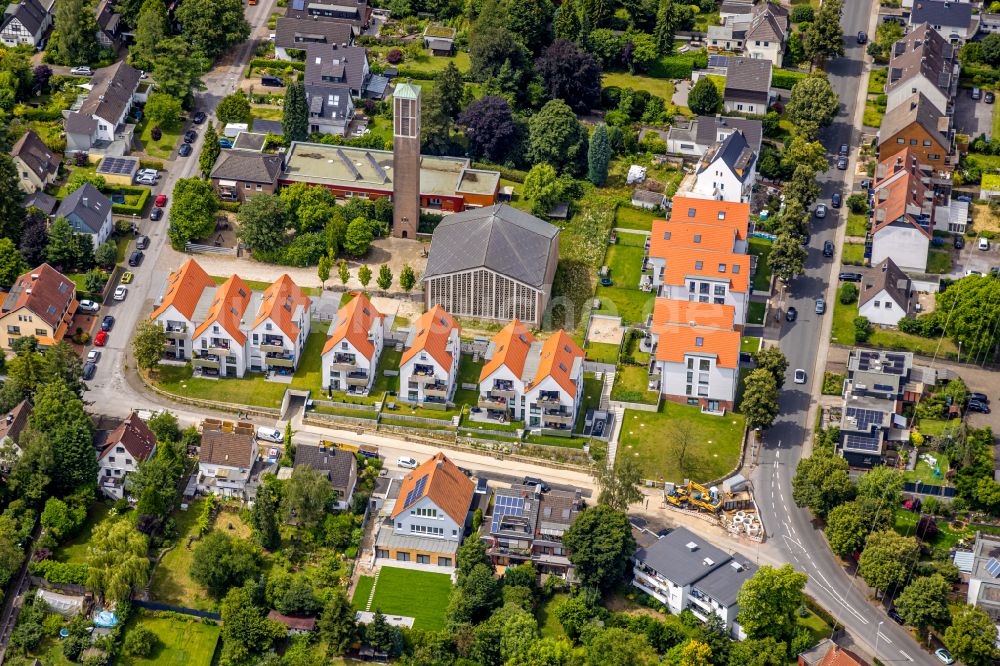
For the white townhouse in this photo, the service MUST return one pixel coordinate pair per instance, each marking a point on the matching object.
(696, 353)
(429, 366)
(88, 212)
(98, 123)
(885, 294)
(226, 460)
(684, 572)
(923, 62)
(186, 294)
(553, 396)
(219, 346)
(353, 348)
(279, 331)
(696, 136)
(25, 23)
(501, 382)
(727, 171)
(705, 276)
(123, 449)
(903, 215)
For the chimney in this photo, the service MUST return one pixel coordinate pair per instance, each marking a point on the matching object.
(86, 201)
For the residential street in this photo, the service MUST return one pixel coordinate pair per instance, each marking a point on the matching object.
(805, 343)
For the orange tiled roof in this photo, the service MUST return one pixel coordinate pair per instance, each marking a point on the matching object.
(709, 211)
(433, 328)
(46, 293)
(511, 347)
(667, 236)
(717, 265)
(900, 194)
(184, 287)
(667, 311)
(354, 320)
(839, 657)
(675, 341)
(279, 304)
(557, 356)
(231, 301)
(446, 486)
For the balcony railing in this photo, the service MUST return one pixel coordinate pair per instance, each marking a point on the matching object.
(548, 399)
(423, 379)
(205, 362)
(423, 371)
(218, 346)
(557, 418)
(271, 348)
(489, 402)
(281, 361)
(176, 332)
(357, 379)
(437, 390)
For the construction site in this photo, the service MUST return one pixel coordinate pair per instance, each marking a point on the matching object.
(731, 506)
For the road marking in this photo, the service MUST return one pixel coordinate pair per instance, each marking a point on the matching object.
(884, 638)
(906, 656)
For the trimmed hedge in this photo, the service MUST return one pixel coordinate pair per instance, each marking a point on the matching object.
(271, 63)
(60, 572)
(126, 209)
(230, 206)
(785, 78)
(151, 164)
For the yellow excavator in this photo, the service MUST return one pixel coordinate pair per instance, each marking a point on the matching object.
(675, 495)
(692, 495)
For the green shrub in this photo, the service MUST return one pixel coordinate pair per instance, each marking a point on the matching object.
(862, 329)
(60, 572)
(848, 293)
(140, 641)
(784, 78)
(675, 67)
(858, 203)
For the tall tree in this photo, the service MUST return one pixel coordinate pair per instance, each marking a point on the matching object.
(221, 562)
(812, 105)
(210, 150)
(768, 603)
(567, 21)
(364, 275)
(358, 239)
(178, 69)
(821, 482)
(192, 215)
(336, 623)
(323, 270)
(117, 563)
(12, 264)
(972, 637)
(788, 257)
(262, 222)
(489, 127)
(435, 127)
(924, 602)
(72, 42)
(760, 399)
(571, 74)
(384, 279)
(704, 98)
(11, 212)
(802, 188)
(151, 28)
(804, 151)
(148, 343)
(246, 631)
(530, 21)
(212, 26)
(407, 278)
(234, 108)
(599, 156)
(618, 646)
(450, 87)
(824, 38)
(663, 33)
(35, 238)
(308, 496)
(773, 360)
(295, 113)
(600, 543)
(343, 272)
(846, 529)
(885, 562)
(620, 484)
(558, 138)
(491, 44)
(59, 414)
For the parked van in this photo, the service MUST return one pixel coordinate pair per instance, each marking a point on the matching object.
(984, 243)
(976, 93)
(407, 463)
(270, 435)
(271, 81)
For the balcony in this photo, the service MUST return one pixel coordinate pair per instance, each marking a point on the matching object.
(216, 346)
(492, 401)
(206, 361)
(423, 379)
(557, 419)
(439, 404)
(436, 390)
(502, 389)
(344, 362)
(281, 361)
(271, 348)
(423, 370)
(547, 399)
(176, 332)
(359, 378)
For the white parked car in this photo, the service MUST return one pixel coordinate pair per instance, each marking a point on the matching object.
(93, 355)
(120, 292)
(89, 306)
(270, 435)
(407, 463)
(984, 243)
(81, 71)
(800, 376)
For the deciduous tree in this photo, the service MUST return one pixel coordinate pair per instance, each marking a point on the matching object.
(620, 484)
(35, 238)
(192, 215)
(773, 360)
(544, 188)
(846, 529)
(557, 138)
(489, 127)
(364, 275)
(760, 399)
(600, 543)
(221, 562)
(336, 623)
(450, 87)
(567, 21)
(117, 561)
(924, 602)
(234, 108)
(824, 38)
(530, 21)
(972, 637)
(164, 111)
(210, 150)
(768, 602)
(788, 257)
(886, 559)
(571, 74)
(599, 156)
(343, 273)
(177, 68)
(212, 26)
(758, 652)
(72, 41)
(384, 279)
(821, 482)
(358, 239)
(264, 515)
(148, 342)
(12, 265)
(812, 105)
(704, 98)
(407, 278)
(59, 414)
(150, 29)
(308, 496)
(246, 631)
(262, 222)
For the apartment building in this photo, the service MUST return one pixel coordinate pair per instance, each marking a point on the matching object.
(226, 459)
(182, 303)
(923, 62)
(915, 123)
(553, 396)
(903, 215)
(429, 365)
(280, 330)
(727, 171)
(40, 303)
(120, 453)
(695, 138)
(502, 380)
(353, 348)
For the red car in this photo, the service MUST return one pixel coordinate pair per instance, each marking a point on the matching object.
(101, 339)
(161, 200)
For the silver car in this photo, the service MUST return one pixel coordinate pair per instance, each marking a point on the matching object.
(821, 211)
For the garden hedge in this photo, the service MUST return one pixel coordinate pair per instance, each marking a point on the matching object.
(60, 572)
(784, 78)
(126, 209)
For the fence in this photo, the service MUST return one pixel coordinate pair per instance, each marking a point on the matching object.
(638, 406)
(345, 405)
(196, 248)
(155, 606)
(417, 419)
(331, 420)
(485, 431)
(68, 588)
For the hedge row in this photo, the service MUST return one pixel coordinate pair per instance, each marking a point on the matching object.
(60, 572)
(276, 64)
(126, 209)
(785, 78)
(979, 74)
(40, 114)
(230, 206)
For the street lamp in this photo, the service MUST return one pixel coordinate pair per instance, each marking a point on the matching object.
(959, 351)
(878, 631)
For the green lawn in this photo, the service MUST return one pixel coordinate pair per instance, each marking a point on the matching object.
(75, 550)
(761, 248)
(602, 352)
(817, 627)
(631, 384)
(996, 122)
(947, 536)
(628, 217)
(182, 642)
(660, 87)
(628, 239)
(876, 81)
(755, 313)
(361, 592)
(421, 595)
(266, 113)
(625, 262)
(873, 113)
(172, 582)
(161, 149)
(632, 305)
(750, 344)
(548, 623)
(924, 473)
(932, 427)
(592, 389)
(857, 224)
(624, 299)
(258, 285)
(713, 451)
(843, 333)
(853, 254)
(938, 261)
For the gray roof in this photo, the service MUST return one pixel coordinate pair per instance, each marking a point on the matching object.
(29, 13)
(252, 141)
(333, 65)
(438, 44)
(36, 155)
(748, 79)
(682, 557)
(500, 238)
(941, 12)
(112, 91)
(724, 583)
(708, 129)
(768, 26)
(734, 153)
(344, 11)
(736, 7)
(247, 166)
(78, 123)
(42, 201)
(649, 196)
(922, 52)
(86, 205)
(108, 20)
(268, 127)
(340, 466)
(888, 276)
(297, 33)
(329, 101)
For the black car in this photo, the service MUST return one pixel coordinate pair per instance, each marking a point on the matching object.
(89, 370)
(792, 314)
(844, 148)
(847, 276)
(746, 357)
(866, 183)
(157, 213)
(862, 38)
(184, 150)
(842, 163)
(135, 258)
(836, 200)
(198, 118)
(976, 406)
(828, 249)
(959, 242)
(107, 323)
(271, 81)
(979, 397)
(989, 98)
(142, 242)
(896, 617)
(805, 239)
(535, 481)
(190, 136)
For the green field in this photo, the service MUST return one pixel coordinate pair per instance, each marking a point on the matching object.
(750, 345)
(361, 592)
(755, 313)
(857, 224)
(161, 149)
(660, 87)
(853, 254)
(843, 334)
(421, 595)
(761, 247)
(76, 549)
(713, 451)
(548, 623)
(172, 583)
(602, 352)
(628, 217)
(938, 262)
(631, 383)
(182, 642)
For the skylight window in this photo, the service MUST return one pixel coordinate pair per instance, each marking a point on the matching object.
(699, 342)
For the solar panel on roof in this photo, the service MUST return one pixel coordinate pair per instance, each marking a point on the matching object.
(993, 567)
(861, 443)
(506, 506)
(718, 61)
(417, 492)
(116, 165)
(866, 417)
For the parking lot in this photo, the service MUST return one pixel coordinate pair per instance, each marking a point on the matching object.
(972, 117)
(972, 258)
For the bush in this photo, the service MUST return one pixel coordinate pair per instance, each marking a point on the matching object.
(395, 56)
(675, 67)
(784, 78)
(156, 134)
(862, 329)
(858, 203)
(140, 641)
(848, 293)
(60, 572)
(803, 14)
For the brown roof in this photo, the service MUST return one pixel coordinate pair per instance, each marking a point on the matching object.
(558, 355)
(340, 466)
(916, 109)
(230, 448)
(901, 197)
(245, 165)
(231, 301)
(298, 623)
(446, 486)
(839, 657)
(36, 155)
(510, 348)
(184, 287)
(889, 277)
(922, 52)
(112, 91)
(433, 331)
(353, 322)
(279, 303)
(134, 435)
(45, 292)
(14, 421)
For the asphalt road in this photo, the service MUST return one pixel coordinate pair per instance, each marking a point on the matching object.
(790, 529)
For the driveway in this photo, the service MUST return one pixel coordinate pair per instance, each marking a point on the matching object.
(971, 117)
(972, 258)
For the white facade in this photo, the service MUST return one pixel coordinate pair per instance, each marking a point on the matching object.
(225, 480)
(346, 368)
(15, 34)
(422, 379)
(763, 49)
(756, 108)
(113, 467)
(179, 330)
(706, 290)
(216, 348)
(882, 310)
(918, 83)
(426, 519)
(904, 244)
(718, 181)
(270, 347)
(550, 406)
(698, 377)
(502, 390)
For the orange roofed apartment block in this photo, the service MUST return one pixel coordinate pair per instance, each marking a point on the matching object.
(228, 328)
(41, 303)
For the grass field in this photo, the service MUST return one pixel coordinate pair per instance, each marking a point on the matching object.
(761, 247)
(750, 345)
(361, 592)
(628, 217)
(843, 333)
(853, 254)
(924, 473)
(755, 313)
(75, 550)
(161, 149)
(938, 261)
(602, 352)
(172, 582)
(996, 122)
(857, 224)
(592, 389)
(631, 383)
(712, 453)
(548, 623)
(182, 642)
(660, 87)
(421, 595)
